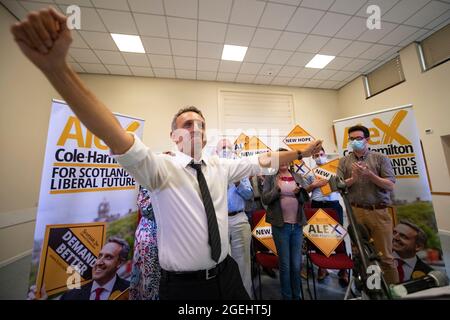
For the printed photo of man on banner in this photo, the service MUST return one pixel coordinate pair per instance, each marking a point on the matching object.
(86, 215)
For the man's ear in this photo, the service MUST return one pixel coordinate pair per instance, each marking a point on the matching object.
(419, 247)
(173, 137)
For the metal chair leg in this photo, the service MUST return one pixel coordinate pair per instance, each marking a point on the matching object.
(349, 289)
(307, 277)
(314, 281)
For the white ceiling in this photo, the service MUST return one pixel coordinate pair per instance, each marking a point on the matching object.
(183, 39)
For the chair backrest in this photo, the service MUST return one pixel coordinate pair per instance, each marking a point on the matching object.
(256, 217)
(309, 212)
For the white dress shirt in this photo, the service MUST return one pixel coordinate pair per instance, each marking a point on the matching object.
(104, 295)
(408, 265)
(179, 212)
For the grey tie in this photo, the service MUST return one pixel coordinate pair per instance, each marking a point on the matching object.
(213, 229)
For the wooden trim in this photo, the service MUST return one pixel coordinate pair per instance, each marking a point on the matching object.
(385, 89)
(334, 136)
(426, 166)
(437, 193)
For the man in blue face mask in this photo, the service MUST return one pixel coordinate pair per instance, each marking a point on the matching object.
(370, 180)
(319, 200)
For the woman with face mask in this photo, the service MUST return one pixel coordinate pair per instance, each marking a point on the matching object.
(284, 197)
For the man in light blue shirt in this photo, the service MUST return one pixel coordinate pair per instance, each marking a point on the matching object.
(319, 200)
(239, 231)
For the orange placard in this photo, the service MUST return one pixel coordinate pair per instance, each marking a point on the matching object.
(301, 168)
(298, 139)
(325, 232)
(263, 233)
(326, 171)
(241, 142)
(246, 146)
(69, 245)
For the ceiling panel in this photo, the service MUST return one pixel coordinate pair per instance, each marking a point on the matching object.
(184, 48)
(184, 38)
(215, 10)
(404, 10)
(290, 40)
(110, 57)
(161, 61)
(180, 28)
(304, 20)
(151, 25)
(146, 6)
(330, 24)
(142, 71)
(183, 9)
(276, 16)
(247, 12)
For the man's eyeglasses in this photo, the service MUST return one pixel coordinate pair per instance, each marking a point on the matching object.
(356, 138)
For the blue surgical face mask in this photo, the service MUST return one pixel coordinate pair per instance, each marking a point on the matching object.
(226, 154)
(358, 145)
(321, 160)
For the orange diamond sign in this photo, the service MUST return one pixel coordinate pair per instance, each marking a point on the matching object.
(298, 139)
(325, 232)
(301, 168)
(246, 146)
(263, 233)
(326, 171)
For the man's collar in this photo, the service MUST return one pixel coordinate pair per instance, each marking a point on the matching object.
(185, 159)
(364, 156)
(411, 262)
(108, 286)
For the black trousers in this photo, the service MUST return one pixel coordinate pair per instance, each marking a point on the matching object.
(330, 204)
(227, 285)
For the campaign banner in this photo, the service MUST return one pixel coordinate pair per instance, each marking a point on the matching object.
(82, 188)
(393, 132)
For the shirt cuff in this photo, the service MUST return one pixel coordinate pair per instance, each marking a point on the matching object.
(134, 155)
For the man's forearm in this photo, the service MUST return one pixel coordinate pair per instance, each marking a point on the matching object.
(382, 182)
(271, 159)
(350, 181)
(92, 113)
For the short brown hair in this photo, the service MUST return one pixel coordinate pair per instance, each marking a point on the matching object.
(421, 238)
(360, 128)
(184, 110)
(123, 255)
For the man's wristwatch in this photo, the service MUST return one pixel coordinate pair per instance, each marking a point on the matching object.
(299, 155)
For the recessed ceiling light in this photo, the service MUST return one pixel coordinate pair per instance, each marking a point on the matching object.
(319, 61)
(128, 43)
(233, 53)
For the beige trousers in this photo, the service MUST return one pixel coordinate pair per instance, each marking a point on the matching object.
(380, 226)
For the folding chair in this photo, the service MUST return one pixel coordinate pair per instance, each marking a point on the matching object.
(339, 260)
(262, 257)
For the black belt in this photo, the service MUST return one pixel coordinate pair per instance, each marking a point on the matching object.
(233, 213)
(333, 201)
(195, 275)
(370, 206)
